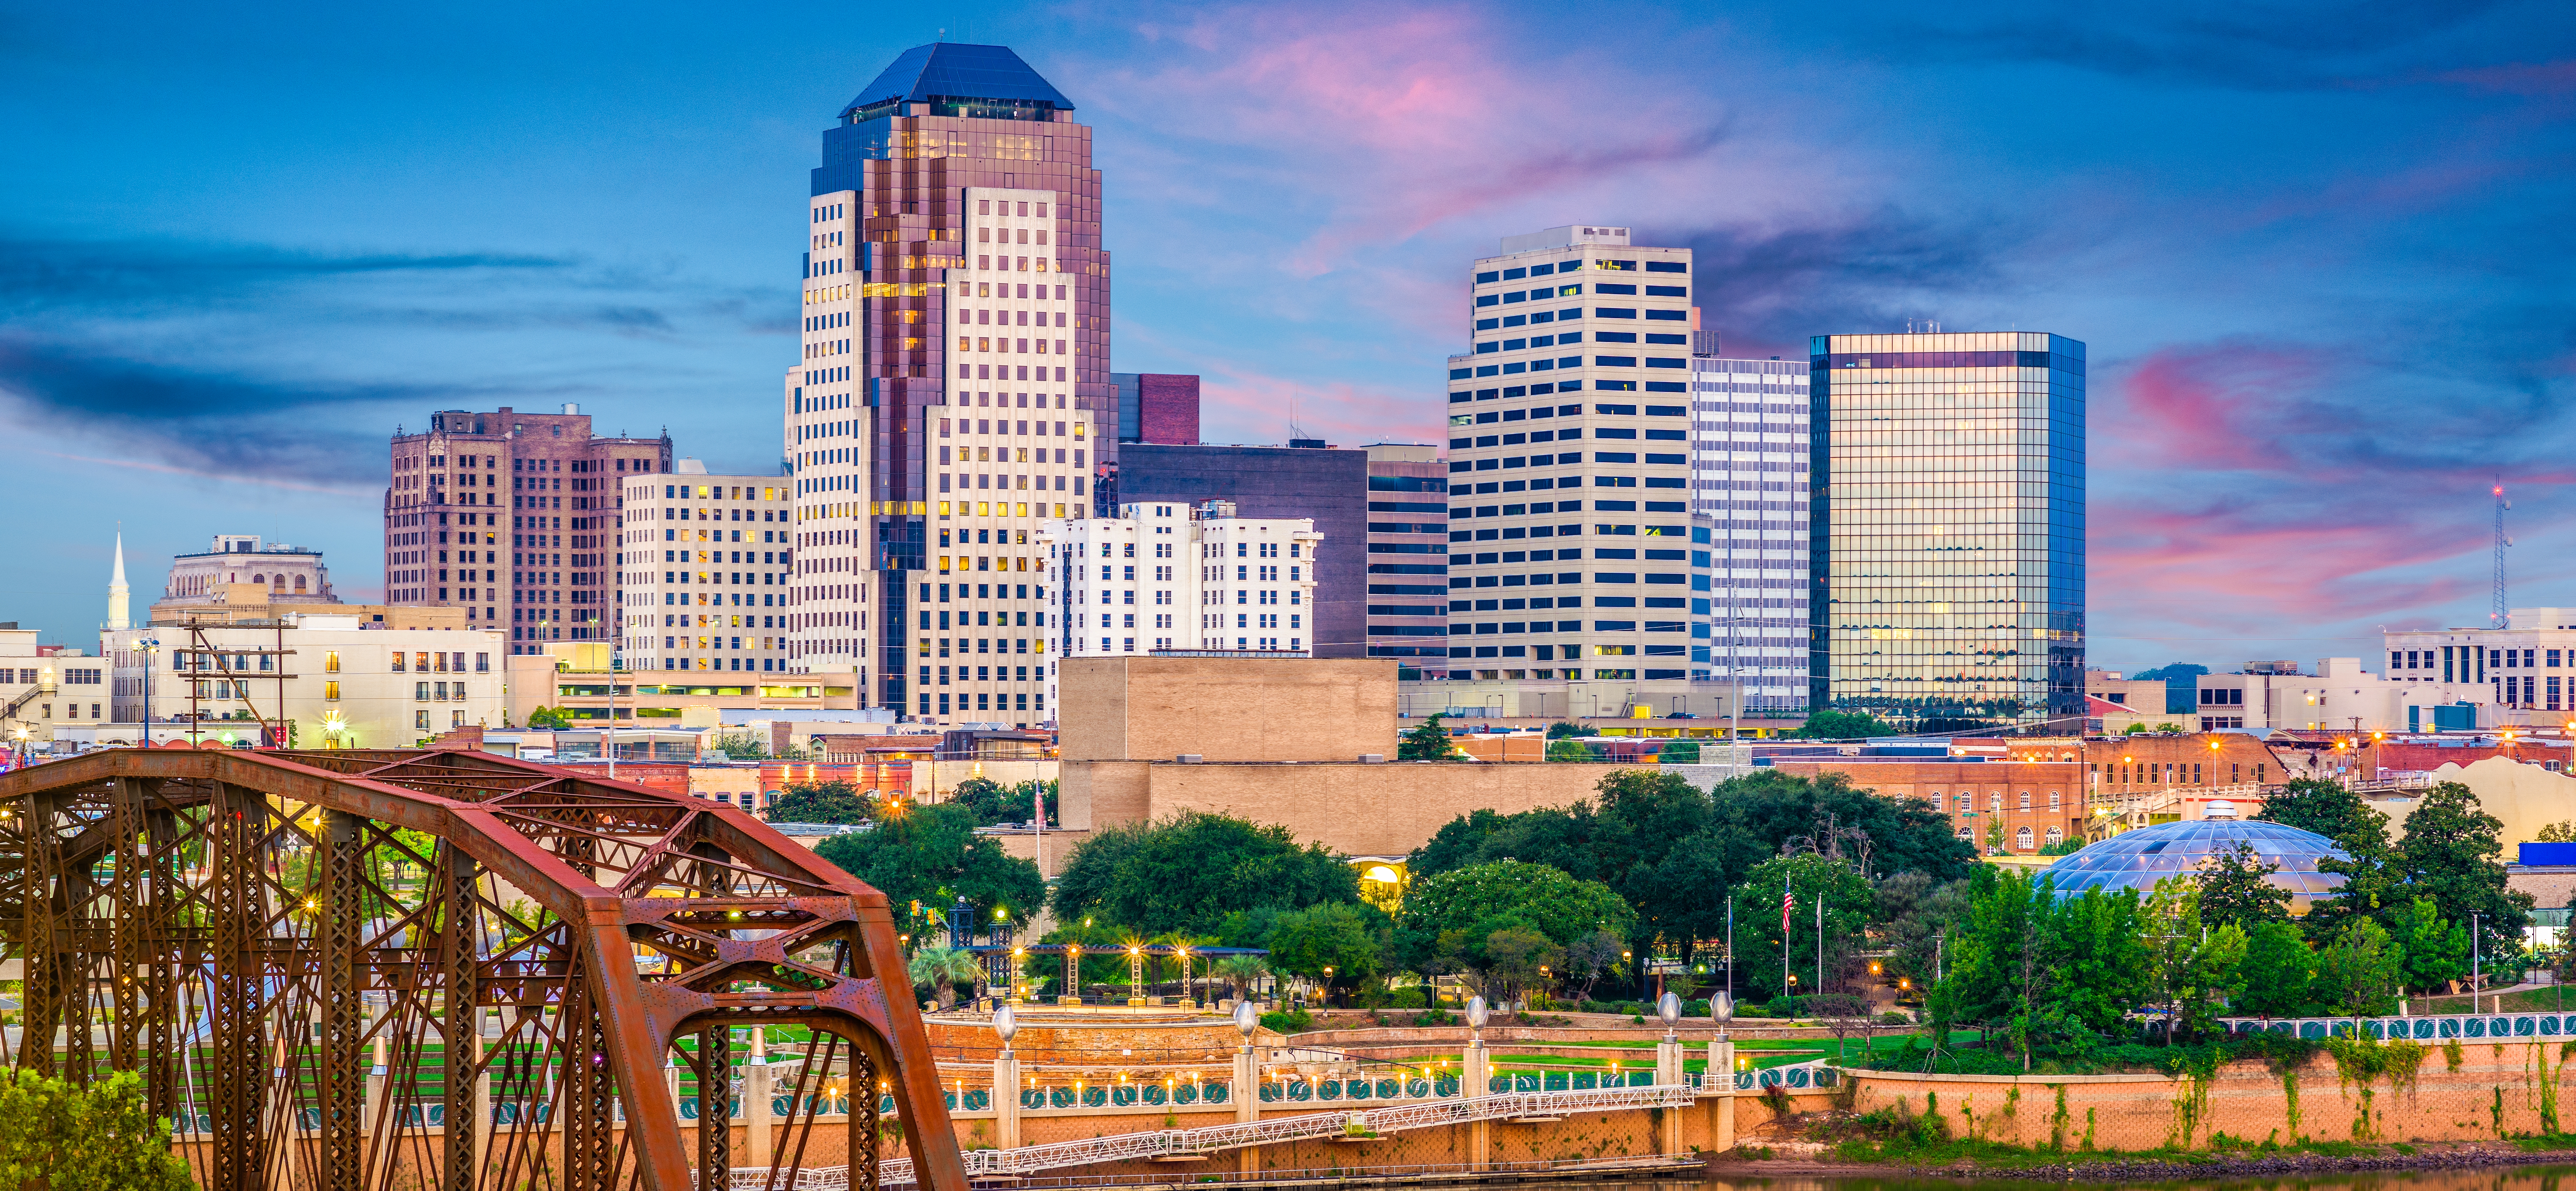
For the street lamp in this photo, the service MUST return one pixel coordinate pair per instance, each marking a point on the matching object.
(147, 646)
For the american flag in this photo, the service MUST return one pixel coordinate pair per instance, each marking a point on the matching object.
(1787, 901)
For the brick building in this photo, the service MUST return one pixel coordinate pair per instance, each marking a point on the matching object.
(513, 517)
(2038, 802)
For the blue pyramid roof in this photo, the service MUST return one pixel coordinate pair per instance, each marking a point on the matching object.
(950, 70)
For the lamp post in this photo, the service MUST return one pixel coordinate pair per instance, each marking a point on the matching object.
(148, 646)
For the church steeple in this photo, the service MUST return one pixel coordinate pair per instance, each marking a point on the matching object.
(119, 598)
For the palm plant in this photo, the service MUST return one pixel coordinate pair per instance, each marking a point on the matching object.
(941, 968)
(1240, 971)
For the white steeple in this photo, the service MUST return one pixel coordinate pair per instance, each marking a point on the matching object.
(119, 598)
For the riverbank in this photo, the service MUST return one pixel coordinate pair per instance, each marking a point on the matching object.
(2317, 1158)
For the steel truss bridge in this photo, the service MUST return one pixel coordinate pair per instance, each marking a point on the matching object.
(371, 970)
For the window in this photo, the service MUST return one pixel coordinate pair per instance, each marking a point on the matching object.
(2022, 839)
(331, 665)
(330, 691)
(2056, 802)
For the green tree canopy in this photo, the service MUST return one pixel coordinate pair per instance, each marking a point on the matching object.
(1562, 729)
(1188, 872)
(99, 1138)
(2233, 891)
(1760, 945)
(1349, 938)
(932, 854)
(2436, 951)
(1448, 918)
(2452, 852)
(1427, 741)
(2323, 806)
(2359, 971)
(2279, 965)
(834, 801)
(1664, 844)
(994, 802)
(2042, 969)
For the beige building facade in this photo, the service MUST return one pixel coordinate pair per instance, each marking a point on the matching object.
(708, 564)
(45, 687)
(286, 573)
(2525, 667)
(329, 680)
(2339, 696)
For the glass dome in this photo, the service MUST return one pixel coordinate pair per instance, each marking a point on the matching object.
(2138, 859)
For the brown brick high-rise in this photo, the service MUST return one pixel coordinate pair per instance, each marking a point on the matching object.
(954, 288)
(513, 517)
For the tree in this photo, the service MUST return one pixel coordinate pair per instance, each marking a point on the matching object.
(932, 854)
(834, 801)
(941, 968)
(1187, 873)
(1807, 878)
(2042, 969)
(1240, 972)
(2234, 892)
(1518, 958)
(1448, 919)
(2560, 832)
(2279, 965)
(2323, 806)
(1915, 912)
(2435, 951)
(1562, 729)
(741, 746)
(2360, 969)
(1586, 959)
(2192, 964)
(1842, 725)
(1568, 750)
(1427, 741)
(1679, 752)
(994, 802)
(1338, 935)
(99, 1138)
(2452, 853)
(553, 719)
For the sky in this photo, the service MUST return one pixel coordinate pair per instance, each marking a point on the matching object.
(2322, 255)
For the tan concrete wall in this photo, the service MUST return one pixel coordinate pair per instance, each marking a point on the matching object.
(1226, 709)
(1096, 794)
(1356, 809)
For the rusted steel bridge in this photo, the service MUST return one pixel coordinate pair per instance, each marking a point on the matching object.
(369, 970)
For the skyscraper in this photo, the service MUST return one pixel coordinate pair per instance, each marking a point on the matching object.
(1947, 536)
(1572, 563)
(1408, 558)
(1749, 460)
(513, 517)
(1307, 480)
(1156, 407)
(954, 388)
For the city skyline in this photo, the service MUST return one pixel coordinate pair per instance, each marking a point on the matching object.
(2256, 245)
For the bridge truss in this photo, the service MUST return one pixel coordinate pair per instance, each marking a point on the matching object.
(364, 970)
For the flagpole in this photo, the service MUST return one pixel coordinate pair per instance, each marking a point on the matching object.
(1787, 899)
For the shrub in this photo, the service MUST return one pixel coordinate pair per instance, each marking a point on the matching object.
(1294, 1021)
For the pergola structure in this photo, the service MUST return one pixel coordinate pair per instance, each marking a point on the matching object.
(443, 968)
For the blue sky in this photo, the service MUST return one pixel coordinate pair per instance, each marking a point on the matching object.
(2321, 253)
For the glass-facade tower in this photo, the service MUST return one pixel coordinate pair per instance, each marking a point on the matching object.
(954, 390)
(1947, 529)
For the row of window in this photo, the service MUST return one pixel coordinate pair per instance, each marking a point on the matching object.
(1003, 426)
(967, 645)
(1562, 411)
(985, 700)
(983, 674)
(1576, 265)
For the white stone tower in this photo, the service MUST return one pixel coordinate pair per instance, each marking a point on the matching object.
(119, 598)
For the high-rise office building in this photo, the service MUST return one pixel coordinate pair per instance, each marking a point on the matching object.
(513, 517)
(955, 324)
(1158, 407)
(707, 563)
(1408, 558)
(1569, 469)
(1947, 533)
(1307, 479)
(1749, 460)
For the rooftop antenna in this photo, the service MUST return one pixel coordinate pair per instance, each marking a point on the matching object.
(2500, 613)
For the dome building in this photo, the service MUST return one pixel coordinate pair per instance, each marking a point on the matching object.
(2138, 859)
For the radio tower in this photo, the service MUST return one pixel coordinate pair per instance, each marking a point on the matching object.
(2500, 613)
